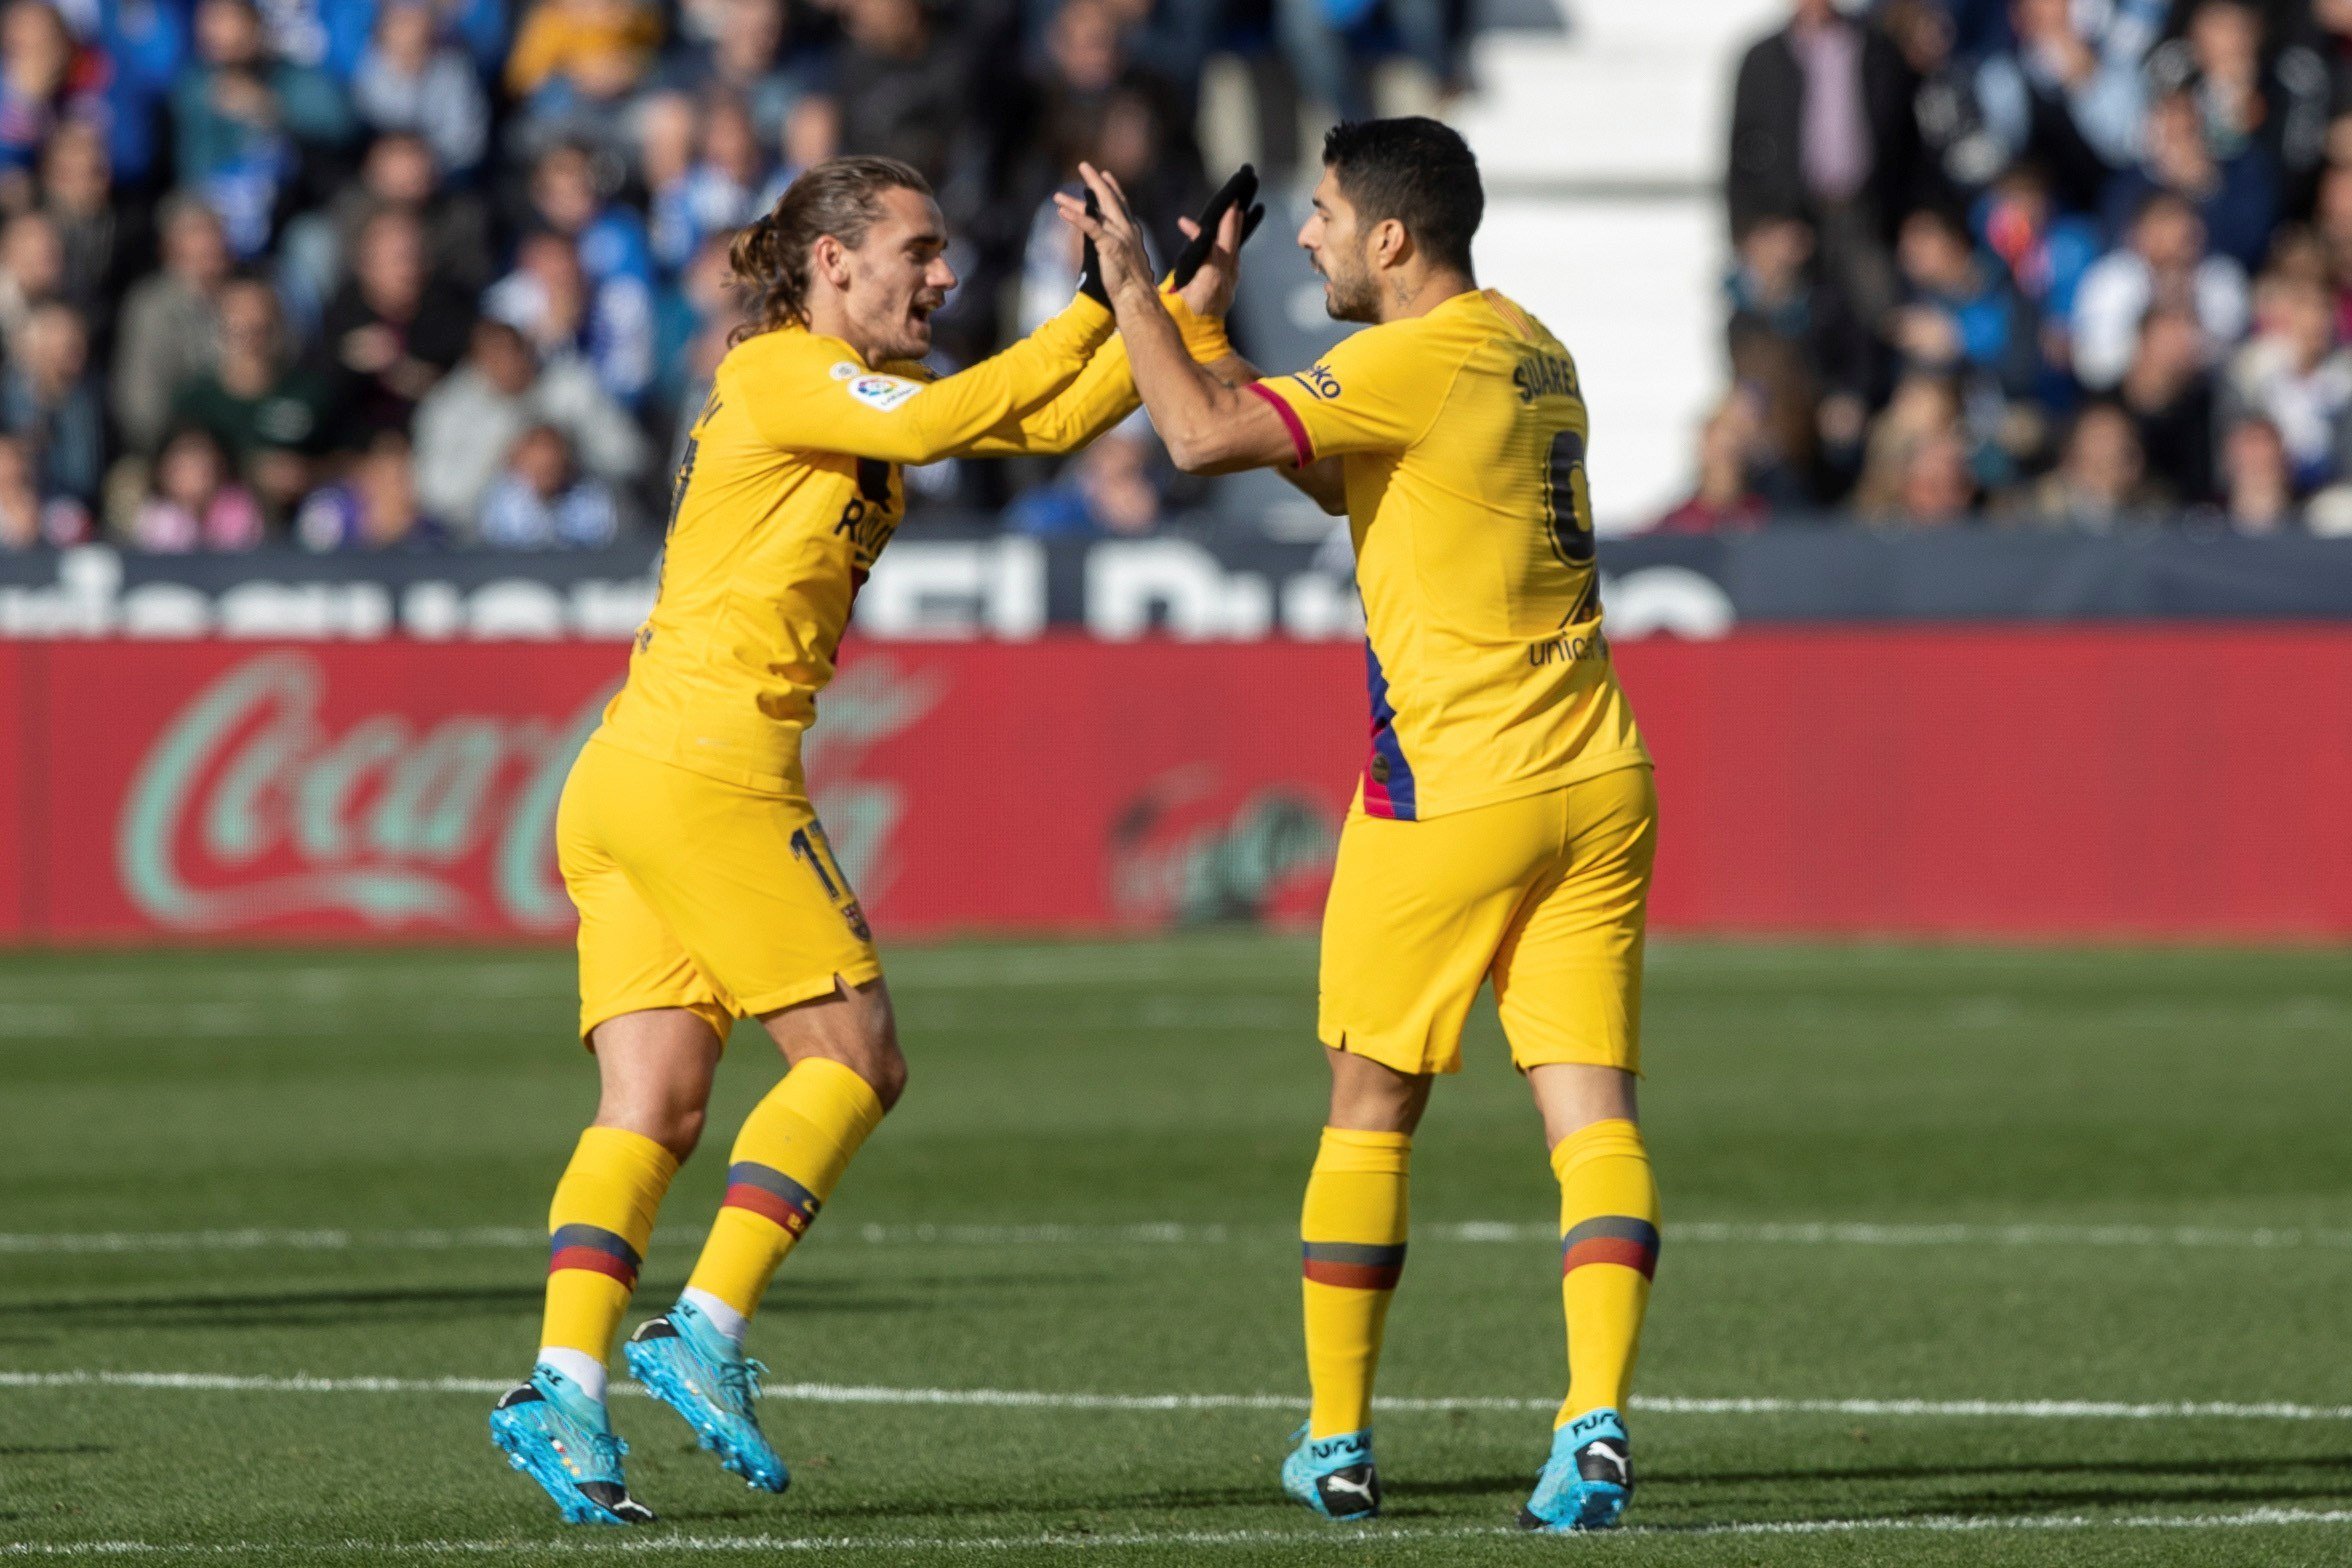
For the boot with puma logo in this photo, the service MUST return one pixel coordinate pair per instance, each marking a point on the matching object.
(1335, 1476)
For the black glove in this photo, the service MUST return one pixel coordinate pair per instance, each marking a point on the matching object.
(1240, 191)
(1090, 278)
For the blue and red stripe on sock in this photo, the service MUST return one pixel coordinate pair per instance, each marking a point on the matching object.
(1611, 1238)
(1354, 1265)
(596, 1249)
(769, 1193)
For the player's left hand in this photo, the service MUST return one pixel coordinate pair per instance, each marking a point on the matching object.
(1106, 221)
(1207, 268)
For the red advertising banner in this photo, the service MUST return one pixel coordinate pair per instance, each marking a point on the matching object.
(2006, 782)
(21, 723)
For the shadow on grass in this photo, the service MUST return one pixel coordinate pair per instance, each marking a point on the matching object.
(2309, 1479)
(339, 1308)
(2055, 1499)
(2087, 1467)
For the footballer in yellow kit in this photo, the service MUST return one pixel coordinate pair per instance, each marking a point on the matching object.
(706, 887)
(1505, 822)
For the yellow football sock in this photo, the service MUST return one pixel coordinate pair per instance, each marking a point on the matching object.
(1353, 1226)
(598, 1226)
(1608, 1251)
(793, 1148)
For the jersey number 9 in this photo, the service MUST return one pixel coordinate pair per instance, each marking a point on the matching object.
(1568, 499)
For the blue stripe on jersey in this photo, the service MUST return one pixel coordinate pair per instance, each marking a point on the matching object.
(1395, 790)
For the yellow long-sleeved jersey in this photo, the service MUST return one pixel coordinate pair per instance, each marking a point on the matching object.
(787, 493)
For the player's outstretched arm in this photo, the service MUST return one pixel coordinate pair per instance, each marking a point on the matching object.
(897, 417)
(1103, 395)
(1208, 426)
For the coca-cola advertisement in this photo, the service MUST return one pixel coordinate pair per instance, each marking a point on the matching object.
(2037, 783)
(218, 790)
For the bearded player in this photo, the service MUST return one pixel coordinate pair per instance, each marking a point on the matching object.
(706, 887)
(1505, 821)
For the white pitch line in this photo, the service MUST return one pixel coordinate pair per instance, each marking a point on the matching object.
(1056, 1399)
(1798, 1233)
(638, 1544)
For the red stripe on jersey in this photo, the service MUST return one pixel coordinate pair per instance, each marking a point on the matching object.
(1290, 421)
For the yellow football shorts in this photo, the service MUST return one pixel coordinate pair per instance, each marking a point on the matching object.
(1547, 895)
(701, 894)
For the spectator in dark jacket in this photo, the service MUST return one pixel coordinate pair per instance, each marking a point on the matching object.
(2250, 90)
(47, 397)
(267, 412)
(2065, 97)
(903, 85)
(2169, 393)
(1822, 127)
(392, 331)
(105, 237)
(1094, 103)
(2236, 195)
(1814, 366)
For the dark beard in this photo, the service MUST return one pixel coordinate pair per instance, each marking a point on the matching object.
(1354, 300)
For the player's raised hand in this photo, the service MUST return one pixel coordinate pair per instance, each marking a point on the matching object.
(1209, 288)
(1104, 218)
(1206, 269)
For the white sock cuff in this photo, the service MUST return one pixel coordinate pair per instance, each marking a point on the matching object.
(722, 1317)
(581, 1367)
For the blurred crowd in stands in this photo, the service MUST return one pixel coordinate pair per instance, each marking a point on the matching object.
(368, 274)
(2040, 263)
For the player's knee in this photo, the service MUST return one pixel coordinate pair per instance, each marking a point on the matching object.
(856, 1029)
(1370, 1097)
(879, 1061)
(676, 1127)
(888, 1075)
(681, 1130)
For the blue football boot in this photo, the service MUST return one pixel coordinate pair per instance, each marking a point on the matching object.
(1334, 1476)
(1588, 1480)
(695, 1370)
(560, 1438)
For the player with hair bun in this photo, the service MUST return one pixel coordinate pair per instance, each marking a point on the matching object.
(706, 887)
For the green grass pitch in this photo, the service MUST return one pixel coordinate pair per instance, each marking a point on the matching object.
(1949, 1231)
